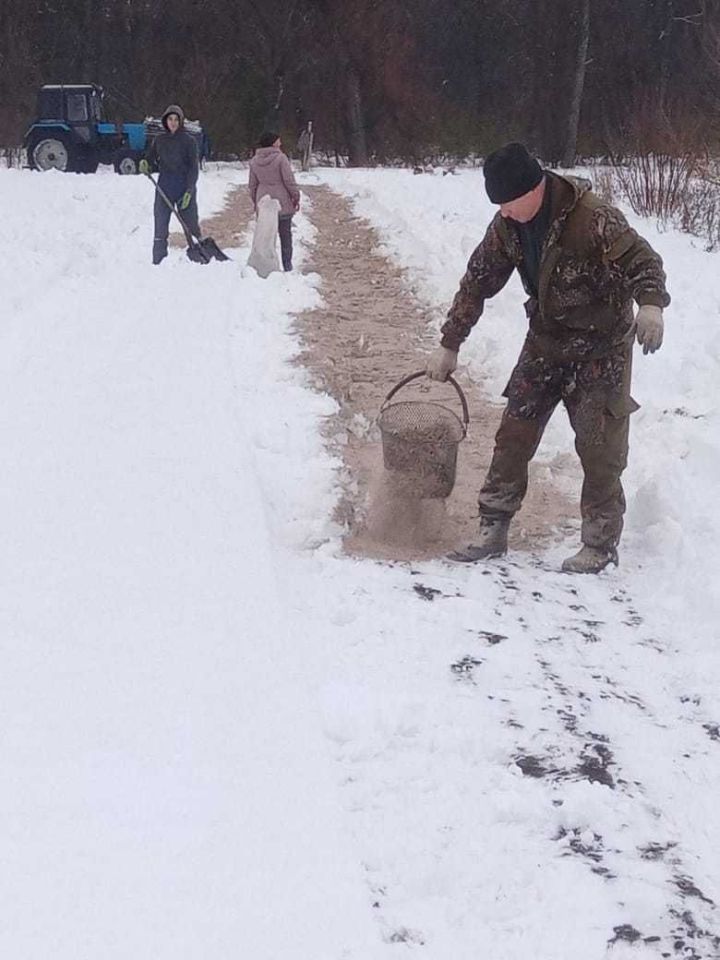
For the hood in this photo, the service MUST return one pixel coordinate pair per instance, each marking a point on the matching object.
(567, 191)
(579, 184)
(173, 108)
(266, 156)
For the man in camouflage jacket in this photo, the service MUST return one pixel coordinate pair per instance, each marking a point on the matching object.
(582, 266)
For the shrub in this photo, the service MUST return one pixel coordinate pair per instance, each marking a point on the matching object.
(657, 184)
(699, 213)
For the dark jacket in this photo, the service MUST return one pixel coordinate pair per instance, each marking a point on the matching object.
(271, 175)
(592, 266)
(175, 155)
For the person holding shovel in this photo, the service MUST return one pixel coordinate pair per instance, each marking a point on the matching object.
(582, 266)
(271, 175)
(174, 154)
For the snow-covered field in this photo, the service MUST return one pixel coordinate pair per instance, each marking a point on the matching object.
(221, 738)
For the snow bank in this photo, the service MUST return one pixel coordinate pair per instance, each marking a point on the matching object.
(166, 788)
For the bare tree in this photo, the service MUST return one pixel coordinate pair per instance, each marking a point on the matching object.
(583, 41)
(386, 78)
(356, 119)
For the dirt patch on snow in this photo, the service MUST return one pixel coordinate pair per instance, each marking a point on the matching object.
(227, 227)
(370, 333)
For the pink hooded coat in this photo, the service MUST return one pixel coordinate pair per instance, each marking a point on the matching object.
(271, 175)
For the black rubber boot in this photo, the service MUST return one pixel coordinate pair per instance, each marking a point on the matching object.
(160, 251)
(492, 542)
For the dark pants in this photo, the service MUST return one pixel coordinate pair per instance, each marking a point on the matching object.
(162, 212)
(596, 395)
(286, 246)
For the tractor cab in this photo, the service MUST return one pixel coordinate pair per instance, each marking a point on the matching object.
(76, 105)
(66, 127)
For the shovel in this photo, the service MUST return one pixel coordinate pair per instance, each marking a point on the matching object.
(199, 251)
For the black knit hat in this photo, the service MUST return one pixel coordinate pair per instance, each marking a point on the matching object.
(268, 138)
(511, 172)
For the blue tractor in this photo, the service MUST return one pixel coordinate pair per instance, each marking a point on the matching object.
(70, 132)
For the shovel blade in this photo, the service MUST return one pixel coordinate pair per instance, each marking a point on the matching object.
(212, 250)
(197, 254)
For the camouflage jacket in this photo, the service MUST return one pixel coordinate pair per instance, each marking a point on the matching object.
(593, 265)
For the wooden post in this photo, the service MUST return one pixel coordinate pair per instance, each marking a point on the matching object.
(305, 146)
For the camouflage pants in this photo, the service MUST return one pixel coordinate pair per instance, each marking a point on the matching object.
(596, 395)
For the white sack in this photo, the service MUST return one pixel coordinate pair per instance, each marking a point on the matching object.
(263, 255)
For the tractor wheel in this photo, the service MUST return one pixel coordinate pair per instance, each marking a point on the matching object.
(51, 153)
(126, 163)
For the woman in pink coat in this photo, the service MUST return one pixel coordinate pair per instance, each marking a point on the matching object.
(271, 175)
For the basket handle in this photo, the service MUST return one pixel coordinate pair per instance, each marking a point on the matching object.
(422, 373)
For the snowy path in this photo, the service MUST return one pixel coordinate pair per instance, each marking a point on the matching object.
(368, 333)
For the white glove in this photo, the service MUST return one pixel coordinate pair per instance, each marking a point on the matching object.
(649, 328)
(441, 363)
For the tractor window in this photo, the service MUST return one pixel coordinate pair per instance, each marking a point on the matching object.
(77, 107)
(50, 105)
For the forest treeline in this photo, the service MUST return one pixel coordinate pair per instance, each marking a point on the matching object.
(383, 80)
